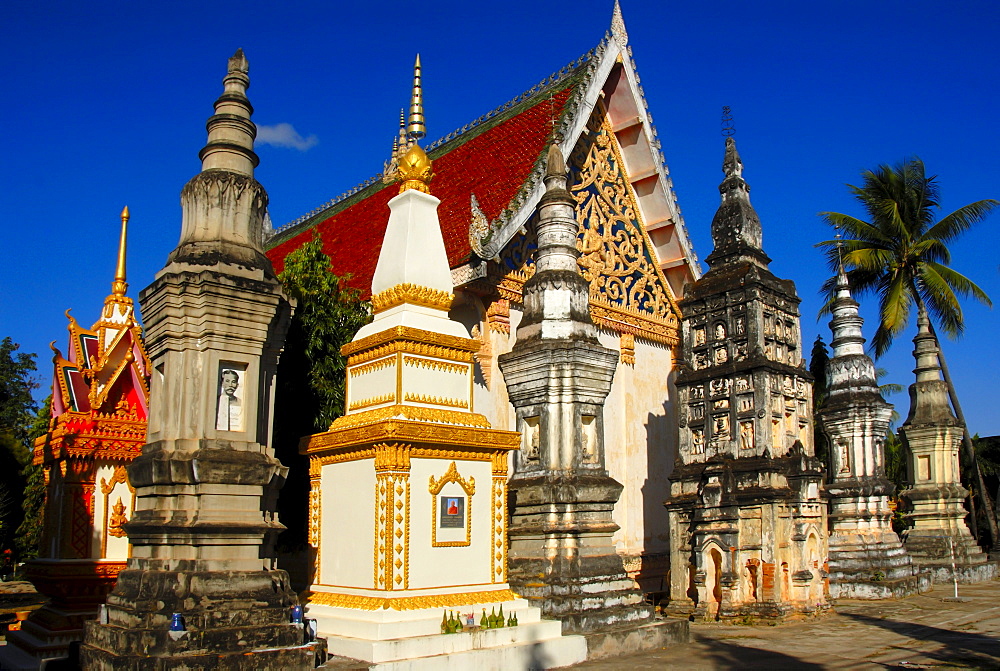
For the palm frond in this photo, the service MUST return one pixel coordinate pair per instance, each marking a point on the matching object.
(940, 299)
(962, 219)
(960, 284)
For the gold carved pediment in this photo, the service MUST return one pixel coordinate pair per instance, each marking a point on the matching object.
(628, 292)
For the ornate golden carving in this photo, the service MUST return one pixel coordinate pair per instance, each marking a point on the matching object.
(414, 335)
(369, 402)
(435, 485)
(415, 170)
(114, 518)
(412, 294)
(361, 602)
(436, 400)
(451, 475)
(118, 518)
(436, 365)
(626, 344)
(628, 291)
(392, 457)
(371, 367)
(498, 316)
(379, 429)
(498, 539)
(409, 412)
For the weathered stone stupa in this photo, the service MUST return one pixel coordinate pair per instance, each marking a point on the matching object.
(199, 590)
(558, 375)
(867, 559)
(747, 517)
(939, 539)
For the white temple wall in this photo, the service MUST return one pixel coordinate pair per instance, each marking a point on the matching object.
(348, 487)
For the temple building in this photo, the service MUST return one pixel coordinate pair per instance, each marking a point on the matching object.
(635, 257)
(867, 559)
(747, 513)
(100, 397)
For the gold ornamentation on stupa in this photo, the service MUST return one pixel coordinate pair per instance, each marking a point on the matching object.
(119, 286)
(415, 170)
(409, 163)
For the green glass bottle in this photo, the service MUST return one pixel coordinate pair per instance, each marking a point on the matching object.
(500, 620)
(484, 621)
(444, 622)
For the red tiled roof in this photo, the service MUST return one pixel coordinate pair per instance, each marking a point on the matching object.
(492, 164)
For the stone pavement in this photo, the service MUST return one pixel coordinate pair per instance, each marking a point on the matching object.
(918, 632)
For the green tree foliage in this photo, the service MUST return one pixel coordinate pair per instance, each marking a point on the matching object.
(818, 359)
(17, 412)
(901, 256)
(29, 533)
(312, 371)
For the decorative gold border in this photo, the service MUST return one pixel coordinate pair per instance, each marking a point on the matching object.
(435, 486)
(355, 436)
(315, 518)
(371, 367)
(436, 400)
(369, 402)
(412, 294)
(446, 366)
(362, 602)
(417, 336)
(410, 347)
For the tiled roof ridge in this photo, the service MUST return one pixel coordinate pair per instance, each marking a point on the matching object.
(464, 133)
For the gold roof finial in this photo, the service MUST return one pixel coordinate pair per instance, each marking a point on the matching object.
(416, 128)
(415, 170)
(119, 286)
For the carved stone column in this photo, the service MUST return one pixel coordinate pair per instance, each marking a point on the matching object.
(558, 376)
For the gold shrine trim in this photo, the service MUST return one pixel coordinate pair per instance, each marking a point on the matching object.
(362, 602)
(413, 294)
(413, 335)
(392, 429)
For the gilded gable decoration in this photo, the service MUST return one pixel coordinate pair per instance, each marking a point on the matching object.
(628, 292)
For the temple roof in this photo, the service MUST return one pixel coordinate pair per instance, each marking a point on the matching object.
(488, 174)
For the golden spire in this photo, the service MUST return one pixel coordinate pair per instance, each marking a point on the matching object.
(118, 287)
(413, 166)
(416, 128)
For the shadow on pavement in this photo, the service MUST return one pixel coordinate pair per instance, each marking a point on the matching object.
(962, 646)
(733, 656)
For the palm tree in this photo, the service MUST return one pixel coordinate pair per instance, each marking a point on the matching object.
(901, 255)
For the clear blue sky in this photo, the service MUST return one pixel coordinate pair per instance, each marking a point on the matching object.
(105, 104)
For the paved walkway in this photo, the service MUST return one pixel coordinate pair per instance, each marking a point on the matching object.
(920, 632)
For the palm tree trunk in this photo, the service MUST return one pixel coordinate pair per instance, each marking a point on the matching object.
(969, 452)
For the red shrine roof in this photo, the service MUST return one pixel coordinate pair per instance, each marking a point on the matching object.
(491, 161)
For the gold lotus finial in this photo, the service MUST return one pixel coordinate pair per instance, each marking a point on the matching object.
(416, 128)
(118, 287)
(415, 170)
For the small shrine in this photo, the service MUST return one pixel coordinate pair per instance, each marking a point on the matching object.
(747, 513)
(100, 398)
(938, 538)
(415, 475)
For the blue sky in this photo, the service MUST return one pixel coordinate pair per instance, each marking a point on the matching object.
(105, 105)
